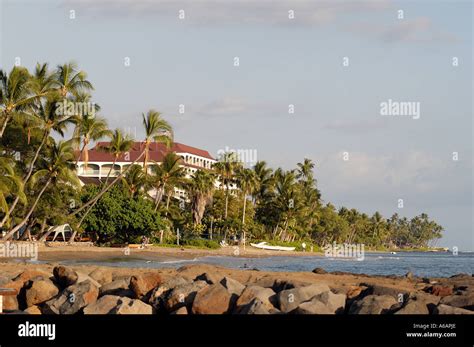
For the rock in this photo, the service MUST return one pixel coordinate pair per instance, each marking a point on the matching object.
(27, 275)
(377, 289)
(82, 277)
(104, 305)
(409, 275)
(39, 291)
(426, 280)
(212, 299)
(210, 278)
(132, 306)
(4, 280)
(335, 302)
(118, 287)
(143, 284)
(256, 306)
(440, 290)
(32, 310)
(183, 295)
(65, 276)
(465, 301)
(159, 294)
(313, 306)
(233, 287)
(445, 309)
(290, 299)
(372, 304)
(102, 275)
(181, 310)
(72, 299)
(265, 295)
(460, 275)
(354, 291)
(319, 271)
(10, 302)
(414, 307)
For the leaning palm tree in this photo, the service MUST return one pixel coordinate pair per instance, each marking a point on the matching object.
(88, 128)
(134, 181)
(48, 120)
(57, 167)
(10, 184)
(169, 172)
(69, 81)
(156, 129)
(200, 189)
(118, 145)
(16, 94)
(247, 182)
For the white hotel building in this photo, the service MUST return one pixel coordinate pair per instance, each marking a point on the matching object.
(100, 162)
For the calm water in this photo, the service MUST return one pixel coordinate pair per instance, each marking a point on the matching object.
(421, 264)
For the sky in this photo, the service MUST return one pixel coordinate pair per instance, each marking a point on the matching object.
(401, 51)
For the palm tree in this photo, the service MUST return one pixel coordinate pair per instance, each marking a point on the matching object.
(57, 167)
(200, 189)
(247, 181)
(69, 81)
(48, 120)
(10, 184)
(16, 94)
(264, 181)
(167, 174)
(89, 128)
(119, 144)
(225, 168)
(156, 129)
(134, 181)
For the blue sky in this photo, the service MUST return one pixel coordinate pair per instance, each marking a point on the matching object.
(282, 62)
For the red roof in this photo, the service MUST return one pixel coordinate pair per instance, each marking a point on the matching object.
(157, 151)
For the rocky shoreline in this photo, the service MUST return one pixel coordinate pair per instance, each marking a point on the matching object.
(207, 289)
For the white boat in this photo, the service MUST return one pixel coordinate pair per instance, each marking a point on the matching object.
(263, 245)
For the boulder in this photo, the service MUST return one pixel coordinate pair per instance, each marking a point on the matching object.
(265, 295)
(102, 275)
(334, 302)
(409, 275)
(232, 286)
(414, 307)
(290, 299)
(144, 283)
(39, 290)
(440, 290)
(132, 306)
(118, 287)
(72, 299)
(65, 276)
(319, 271)
(209, 277)
(27, 275)
(373, 304)
(82, 277)
(312, 306)
(10, 302)
(212, 299)
(354, 291)
(465, 301)
(445, 309)
(159, 294)
(255, 306)
(183, 295)
(377, 289)
(104, 305)
(181, 310)
(32, 310)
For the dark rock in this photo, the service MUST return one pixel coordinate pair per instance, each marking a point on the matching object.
(209, 278)
(324, 303)
(183, 295)
(119, 287)
(465, 301)
(72, 299)
(445, 309)
(373, 304)
(319, 271)
(65, 276)
(289, 299)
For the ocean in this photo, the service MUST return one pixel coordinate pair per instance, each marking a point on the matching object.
(419, 263)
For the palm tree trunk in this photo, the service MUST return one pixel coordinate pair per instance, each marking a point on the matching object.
(80, 154)
(159, 196)
(27, 177)
(30, 212)
(168, 203)
(110, 171)
(226, 200)
(4, 125)
(106, 188)
(243, 219)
